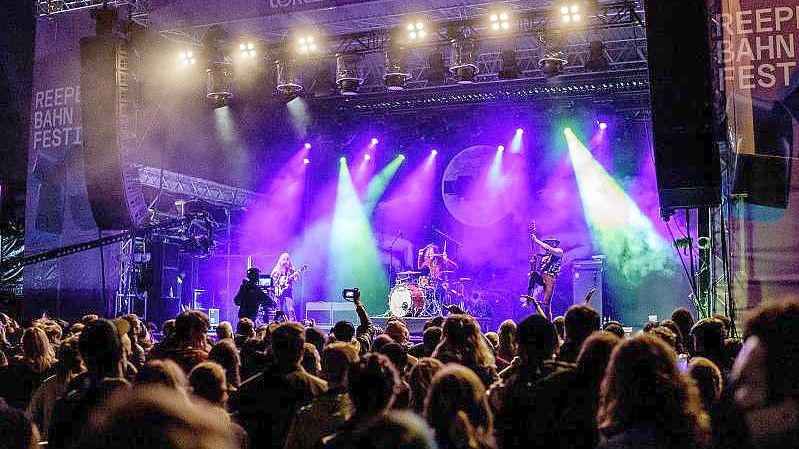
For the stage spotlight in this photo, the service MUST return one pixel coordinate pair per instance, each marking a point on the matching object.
(570, 13)
(519, 131)
(396, 72)
(289, 76)
(374, 141)
(307, 145)
(500, 148)
(552, 63)
(416, 30)
(401, 156)
(342, 159)
(510, 66)
(218, 83)
(306, 161)
(306, 44)
(499, 21)
(464, 66)
(434, 153)
(367, 157)
(597, 61)
(603, 125)
(567, 130)
(348, 75)
(247, 50)
(187, 58)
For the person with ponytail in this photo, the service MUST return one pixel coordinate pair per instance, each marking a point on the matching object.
(457, 409)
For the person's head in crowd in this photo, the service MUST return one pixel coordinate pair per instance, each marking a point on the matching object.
(665, 334)
(462, 338)
(123, 327)
(288, 344)
(643, 389)
(162, 372)
(419, 379)
(316, 337)
(336, 361)
(685, 321)
(594, 357)
(36, 350)
(708, 338)
(766, 374)
(615, 328)
(437, 321)
(672, 326)
(135, 326)
(101, 349)
(398, 331)
(208, 382)
(536, 339)
(395, 430)
(580, 321)
(493, 338)
(560, 327)
(76, 328)
(373, 382)
(380, 341)
(226, 355)
(457, 408)
(17, 431)
(726, 321)
(649, 326)
(398, 354)
(344, 331)
(732, 347)
(261, 332)
(507, 340)
(69, 362)
(168, 329)
(245, 328)
(191, 328)
(126, 421)
(431, 338)
(89, 318)
(54, 334)
(224, 330)
(311, 361)
(708, 379)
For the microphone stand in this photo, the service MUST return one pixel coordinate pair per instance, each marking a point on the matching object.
(391, 257)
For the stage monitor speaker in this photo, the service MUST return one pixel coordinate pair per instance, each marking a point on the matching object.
(112, 182)
(587, 274)
(686, 157)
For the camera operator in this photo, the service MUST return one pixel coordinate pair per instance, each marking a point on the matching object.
(251, 295)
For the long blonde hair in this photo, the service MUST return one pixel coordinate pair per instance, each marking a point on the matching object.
(463, 342)
(37, 350)
(282, 266)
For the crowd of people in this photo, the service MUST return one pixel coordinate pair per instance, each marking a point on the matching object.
(566, 383)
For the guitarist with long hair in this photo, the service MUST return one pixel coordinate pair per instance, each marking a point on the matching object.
(284, 275)
(544, 269)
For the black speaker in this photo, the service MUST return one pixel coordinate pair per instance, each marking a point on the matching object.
(686, 157)
(112, 182)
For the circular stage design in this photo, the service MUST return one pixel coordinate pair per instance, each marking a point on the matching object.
(475, 190)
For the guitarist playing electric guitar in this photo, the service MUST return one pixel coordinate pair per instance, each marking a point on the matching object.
(544, 269)
(284, 275)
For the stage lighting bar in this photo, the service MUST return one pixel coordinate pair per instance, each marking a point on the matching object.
(416, 30)
(289, 76)
(570, 13)
(187, 58)
(247, 50)
(348, 75)
(307, 44)
(499, 21)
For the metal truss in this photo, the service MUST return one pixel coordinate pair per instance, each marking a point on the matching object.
(169, 181)
(137, 9)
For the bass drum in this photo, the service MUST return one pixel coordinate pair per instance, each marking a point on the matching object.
(404, 300)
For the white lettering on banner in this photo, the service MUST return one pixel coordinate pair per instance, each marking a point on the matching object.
(54, 117)
(277, 4)
(757, 48)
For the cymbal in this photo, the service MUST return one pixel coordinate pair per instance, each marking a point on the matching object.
(465, 279)
(405, 273)
(447, 272)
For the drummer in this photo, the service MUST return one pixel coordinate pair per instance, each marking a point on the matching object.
(432, 262)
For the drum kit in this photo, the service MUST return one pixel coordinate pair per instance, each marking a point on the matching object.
(417, 295)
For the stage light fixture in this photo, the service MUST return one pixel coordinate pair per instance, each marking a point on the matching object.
(401, 156)
(434, 153)
(367, 157)
(396, 72)
(289, 76)
(464, 66)
(603, 125)
(416, 30)
(519, 131)
(500, 148)
(570, 13)
(219, 77)
(342, 159)
(187, 58)
(499, 21)
(509, 64)
(306, 161)
(307, 44)
(374, 141)
(348, 74)
(552, 63)
(307, 145)
(247, 50)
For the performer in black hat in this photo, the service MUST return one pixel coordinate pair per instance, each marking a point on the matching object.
(543, 274)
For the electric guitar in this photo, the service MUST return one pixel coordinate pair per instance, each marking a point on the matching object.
(284, 282)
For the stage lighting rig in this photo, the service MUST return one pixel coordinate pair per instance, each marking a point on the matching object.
(464, 48)
(348, 74)
(499, 21)
(187, 58)
(307, 44)
(396, 73)
(247, 50)
(570, 13)
(552, 63)
(289, 76)
(416, 30)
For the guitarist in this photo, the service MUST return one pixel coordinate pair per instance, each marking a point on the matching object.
(284, 275)
(544, 273)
